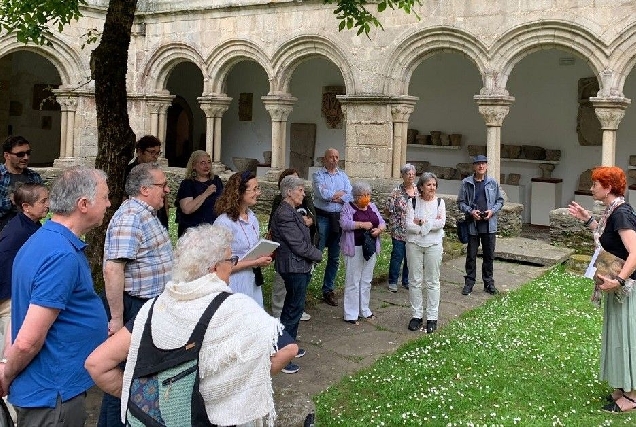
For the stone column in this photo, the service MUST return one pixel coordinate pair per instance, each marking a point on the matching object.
(214, 106)
(494, 108)
(369, 135)
(610, 112)
(158, 107)
(400, 113)
(68, 107)
(279, 108)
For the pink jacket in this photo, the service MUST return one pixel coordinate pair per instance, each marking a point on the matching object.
(347, 243)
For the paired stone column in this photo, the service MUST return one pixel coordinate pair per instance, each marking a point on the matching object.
(368, 136)
(494, 108)
(400, 113)
(68, 107)
(279, 108)
(214, 106)
(158, 106)
(610, 112)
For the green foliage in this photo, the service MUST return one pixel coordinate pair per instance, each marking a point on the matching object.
(528, 358)
(31, 19)
(354, 13)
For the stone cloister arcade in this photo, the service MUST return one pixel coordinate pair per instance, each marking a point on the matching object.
(385, 80)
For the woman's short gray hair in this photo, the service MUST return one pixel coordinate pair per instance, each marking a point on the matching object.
(73, 184)
(290, 183)
(198, 249)
(140, 176)
(426, 177)
(359, 188)
(407, 168)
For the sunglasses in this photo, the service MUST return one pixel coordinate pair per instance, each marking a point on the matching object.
(21, 154)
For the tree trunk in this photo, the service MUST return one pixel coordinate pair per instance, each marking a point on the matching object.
(115, 138)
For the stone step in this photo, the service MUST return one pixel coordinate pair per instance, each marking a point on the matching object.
(537, 252)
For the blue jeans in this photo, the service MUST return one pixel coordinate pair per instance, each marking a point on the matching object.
(110, 412)
(398, 254)
(296, 286)
(331, 241)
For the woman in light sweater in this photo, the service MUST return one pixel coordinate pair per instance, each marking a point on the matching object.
(424, 250)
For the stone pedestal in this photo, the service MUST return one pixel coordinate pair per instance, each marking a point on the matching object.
(517, 194)
(545, 196)
(631, 195)
(311, 171)
(584, 199)
(448, 186)
(261, 171)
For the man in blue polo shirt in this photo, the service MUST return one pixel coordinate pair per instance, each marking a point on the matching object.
(57, 319)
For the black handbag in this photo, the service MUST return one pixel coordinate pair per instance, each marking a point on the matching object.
(368, 245)
(462, 230)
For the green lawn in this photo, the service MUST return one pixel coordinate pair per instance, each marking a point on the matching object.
(528, 358)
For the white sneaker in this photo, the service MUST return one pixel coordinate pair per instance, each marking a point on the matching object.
(393, 287)
(305, 316)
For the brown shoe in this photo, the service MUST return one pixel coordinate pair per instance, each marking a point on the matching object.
(330, 299)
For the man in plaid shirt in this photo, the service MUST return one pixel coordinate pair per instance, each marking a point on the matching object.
(17, 152)
(137, 258)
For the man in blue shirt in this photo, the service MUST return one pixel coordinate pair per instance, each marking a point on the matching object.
(332, 189)
(57, 319)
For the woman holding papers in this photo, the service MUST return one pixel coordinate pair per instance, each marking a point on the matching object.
(233, 207)
(294, 257)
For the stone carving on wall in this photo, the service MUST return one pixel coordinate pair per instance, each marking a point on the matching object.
(588, 127)
(245, 107)
(331, 109)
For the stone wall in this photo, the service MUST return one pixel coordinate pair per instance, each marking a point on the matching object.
(509, 219)
(569, 232)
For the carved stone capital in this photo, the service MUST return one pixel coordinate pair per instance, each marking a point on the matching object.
(494, 109)
(279, 107)
(214, 106)
(159, 104)
(401, 112)
(67, 103)
(610, 111)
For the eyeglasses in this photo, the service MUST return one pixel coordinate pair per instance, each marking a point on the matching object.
(21, 154)
(154, 153)
(255, 189)
(164, 185)
(233, 260)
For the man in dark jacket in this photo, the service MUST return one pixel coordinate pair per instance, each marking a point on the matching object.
(480, 198)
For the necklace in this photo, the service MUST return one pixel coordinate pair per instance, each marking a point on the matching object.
(249, 241)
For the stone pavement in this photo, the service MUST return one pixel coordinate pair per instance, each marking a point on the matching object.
(336, 348)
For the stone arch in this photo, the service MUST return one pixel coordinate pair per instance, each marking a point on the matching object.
(157, 70)
(623, 58)
(299, 49)
(422, 44)
(521, 41)
(69, 65)
(227, 55)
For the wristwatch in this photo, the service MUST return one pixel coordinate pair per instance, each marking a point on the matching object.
(620, 280)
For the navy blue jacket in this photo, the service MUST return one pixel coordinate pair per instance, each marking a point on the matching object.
(12, 237)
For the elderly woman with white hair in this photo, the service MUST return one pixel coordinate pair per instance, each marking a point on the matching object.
(294, 257)
(425, 231)
(357, 218)
(237, 356)
(396, 207)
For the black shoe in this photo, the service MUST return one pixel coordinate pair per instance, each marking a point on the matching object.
(330, 299)
(491, 290)
(431, 326)
(467, 290)
(415, 324)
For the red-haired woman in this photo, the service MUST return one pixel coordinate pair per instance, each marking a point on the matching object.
(615, 232)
